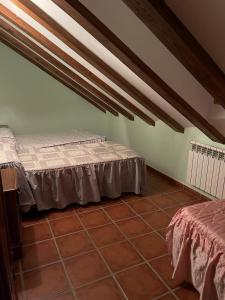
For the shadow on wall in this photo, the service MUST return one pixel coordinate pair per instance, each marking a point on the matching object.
(163, 148)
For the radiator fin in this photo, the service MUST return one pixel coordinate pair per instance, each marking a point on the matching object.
(206, 169)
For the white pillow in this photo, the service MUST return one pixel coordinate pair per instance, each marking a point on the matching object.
(6, 133)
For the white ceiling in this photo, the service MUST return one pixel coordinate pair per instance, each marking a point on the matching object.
(139, 39)
(142, 41)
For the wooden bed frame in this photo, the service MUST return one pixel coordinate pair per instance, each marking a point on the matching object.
(10, 237)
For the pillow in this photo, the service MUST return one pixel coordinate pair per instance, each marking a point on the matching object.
(8, 153)
(6, 132)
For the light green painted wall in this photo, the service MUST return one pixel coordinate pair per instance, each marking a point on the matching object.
(33, 101)
(163, 148)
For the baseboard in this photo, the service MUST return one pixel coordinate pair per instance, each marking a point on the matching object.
(186, 187)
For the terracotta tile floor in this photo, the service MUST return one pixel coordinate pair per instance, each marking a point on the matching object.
(107, 251)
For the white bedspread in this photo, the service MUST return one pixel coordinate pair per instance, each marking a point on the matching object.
(24, 141)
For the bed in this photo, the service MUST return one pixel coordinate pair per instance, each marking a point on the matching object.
(196, 240)
(58, 170)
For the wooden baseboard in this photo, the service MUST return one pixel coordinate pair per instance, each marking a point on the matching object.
(174, 181)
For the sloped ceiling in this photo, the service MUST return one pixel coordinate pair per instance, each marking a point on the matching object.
(205, 20)
(62, 44)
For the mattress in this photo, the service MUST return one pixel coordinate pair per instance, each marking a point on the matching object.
(80, 173)
(196, 239)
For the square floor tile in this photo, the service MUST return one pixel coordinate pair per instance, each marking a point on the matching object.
(118, 212)
(74, 244)
(60, 213)
(66, 225)
(105, 289)
(121, 255)
(173, 210)
(110, 202)
(63, 296)
(162, 232)
(164, 201)
(150, 245)
(39, 254)
(87, 208)
(45, 282)
(18, 287)
(86, 268)
(183, 197)
(165, 270)
(94, 218)
(187, 293)
(38, 232)
(167, 297)
(133, 227)
(130, 197)
(105, 235)
(143, 205)
(157, 219)
(140, 283)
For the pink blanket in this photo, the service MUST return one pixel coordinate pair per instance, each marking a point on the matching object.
(196, 239)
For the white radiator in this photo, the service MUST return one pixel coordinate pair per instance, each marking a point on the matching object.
(206, 169)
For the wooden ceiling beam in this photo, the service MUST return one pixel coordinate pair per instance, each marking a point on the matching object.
(158, 17)
(43, 18)
(11, 17)
(81, 82)
(111, 42)
(35, 59)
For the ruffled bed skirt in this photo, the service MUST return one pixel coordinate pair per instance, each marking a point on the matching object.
(196, 239)
(57, 188)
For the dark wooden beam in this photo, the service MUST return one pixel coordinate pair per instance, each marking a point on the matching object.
(43, 18)
(219, 101)
(157, 16)
(108, 39)
(35, 59)
(81, 82)
(72, 62)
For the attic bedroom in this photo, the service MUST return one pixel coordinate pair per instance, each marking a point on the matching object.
(112, 150)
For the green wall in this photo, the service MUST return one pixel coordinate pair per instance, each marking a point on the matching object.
(163, 148)
(33, 101)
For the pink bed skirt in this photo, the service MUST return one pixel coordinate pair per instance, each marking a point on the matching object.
(196, 240)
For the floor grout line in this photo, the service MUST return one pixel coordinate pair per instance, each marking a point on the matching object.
(57, 294)
(144, 259)
(113, 204)
(87, 252)
(93, 281)
(96, 227)
(165, 294)
(140, 216)
(136, 197)
(22, 281)
(62, 262)
(96, 248)
(147, 261)
(105, 262)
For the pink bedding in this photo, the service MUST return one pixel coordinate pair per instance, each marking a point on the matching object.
(196, 239)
